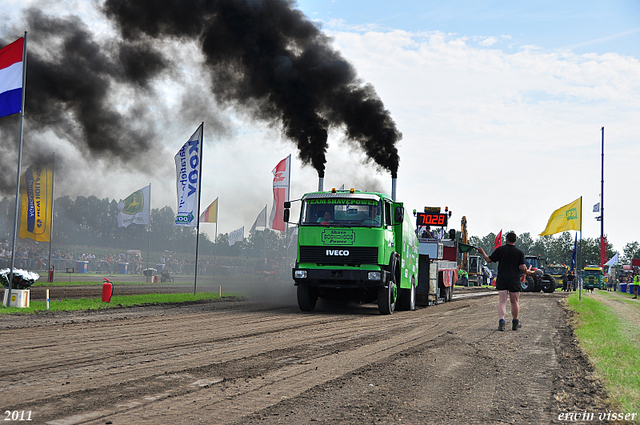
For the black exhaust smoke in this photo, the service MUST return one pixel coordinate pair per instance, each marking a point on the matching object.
(263, 56)
(268, 57)
(70, 77)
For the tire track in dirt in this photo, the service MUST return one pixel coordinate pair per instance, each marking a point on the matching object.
(247, 363)
(96, 356)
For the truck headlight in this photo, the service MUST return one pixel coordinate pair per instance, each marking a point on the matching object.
(300, 274)
(374, 276)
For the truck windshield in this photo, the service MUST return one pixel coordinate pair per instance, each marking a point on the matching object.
(342, 212)
(592, 273)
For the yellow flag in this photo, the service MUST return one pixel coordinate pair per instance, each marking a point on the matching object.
(565, 218)
(36, 188)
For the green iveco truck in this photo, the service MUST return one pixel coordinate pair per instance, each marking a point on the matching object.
(355, 246)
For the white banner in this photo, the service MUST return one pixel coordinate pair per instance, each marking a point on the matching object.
(612, 261)
(261, 220)
(135, 208)
(236, 236)
(188, 177)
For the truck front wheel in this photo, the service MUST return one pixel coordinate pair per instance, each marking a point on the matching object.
(387, 296)
(307, 298)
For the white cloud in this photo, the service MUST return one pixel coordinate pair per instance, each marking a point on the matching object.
(488, 41)
(506, 138)
(503, 137)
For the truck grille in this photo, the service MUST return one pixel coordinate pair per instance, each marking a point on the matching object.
(338, 255)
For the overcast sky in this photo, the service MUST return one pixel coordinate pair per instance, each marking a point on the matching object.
(500, 107)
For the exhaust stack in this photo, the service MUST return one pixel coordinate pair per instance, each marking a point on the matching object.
(393, 188)
(320, 184)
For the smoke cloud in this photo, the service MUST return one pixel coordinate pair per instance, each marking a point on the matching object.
(268, 57)
(262, 57)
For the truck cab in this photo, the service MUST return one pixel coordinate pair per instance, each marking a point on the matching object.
(355, 246)
(592, 277)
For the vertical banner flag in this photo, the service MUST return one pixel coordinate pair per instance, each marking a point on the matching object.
(36, 188)
(236, 236)
(210, 215)
(281, 175)
(565, 218)
(135, 208)
(11, 72)
(261, 220)
(613, 261)
(575, 249)
(498, 240)
(188, 179)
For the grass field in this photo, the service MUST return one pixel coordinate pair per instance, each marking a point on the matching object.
(608, 328)
(116, 302)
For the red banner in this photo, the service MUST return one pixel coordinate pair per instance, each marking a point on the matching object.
(281, 176)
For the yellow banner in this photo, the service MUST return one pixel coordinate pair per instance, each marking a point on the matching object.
(36, 190)
(565, 218)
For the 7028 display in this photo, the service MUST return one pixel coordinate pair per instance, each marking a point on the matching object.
(432, 219)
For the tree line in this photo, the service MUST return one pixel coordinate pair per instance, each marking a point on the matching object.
(92, 222)
(558, 249)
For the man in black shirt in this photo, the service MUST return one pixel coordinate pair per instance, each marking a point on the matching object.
(510, 265)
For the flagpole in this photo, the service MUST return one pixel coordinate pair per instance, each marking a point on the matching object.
(215, 245)
(53, 182)
(286, 225)
(149, 233)
(582, 275)
(195, 279)
(15, 216)
(603, 248)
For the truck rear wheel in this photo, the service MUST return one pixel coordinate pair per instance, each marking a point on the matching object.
(307, 298)
(407, 298)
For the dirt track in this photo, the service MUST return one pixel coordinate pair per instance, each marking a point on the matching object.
(250, 362)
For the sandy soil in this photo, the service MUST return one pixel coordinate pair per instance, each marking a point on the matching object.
(255, 360)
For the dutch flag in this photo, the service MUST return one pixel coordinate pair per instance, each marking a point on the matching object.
(11, 78)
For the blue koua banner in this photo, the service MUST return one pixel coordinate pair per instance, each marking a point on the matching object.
(188, 177)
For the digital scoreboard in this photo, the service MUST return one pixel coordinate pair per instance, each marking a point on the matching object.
(432, 219)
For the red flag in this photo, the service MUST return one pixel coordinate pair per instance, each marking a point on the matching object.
(280, 193)
(498, 241)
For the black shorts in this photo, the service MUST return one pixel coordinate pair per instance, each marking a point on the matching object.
(509, 286)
